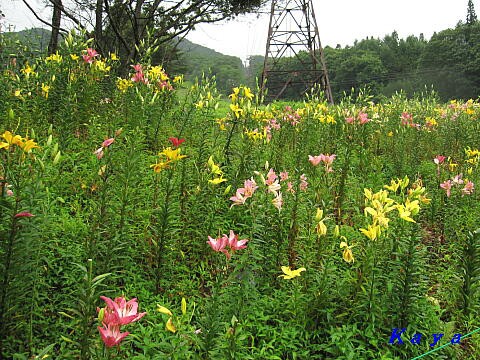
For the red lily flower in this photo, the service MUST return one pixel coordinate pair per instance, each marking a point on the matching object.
(176, 142)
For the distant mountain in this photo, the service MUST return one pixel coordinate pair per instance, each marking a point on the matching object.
(228, 70)
(36, 38)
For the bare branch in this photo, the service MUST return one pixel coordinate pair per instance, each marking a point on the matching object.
(41, 20)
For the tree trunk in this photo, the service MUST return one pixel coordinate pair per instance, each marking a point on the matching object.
(56, 19)
(99, 24)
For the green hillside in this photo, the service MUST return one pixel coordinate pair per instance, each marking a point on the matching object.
(228, 70)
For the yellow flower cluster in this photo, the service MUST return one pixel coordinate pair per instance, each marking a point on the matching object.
(240, 93)
(207, 101)
(216, 171)
(123, 84)
(255, 134)
(171, 155)
(54, 58)
(24, 143)
(473, 156)
(379, 204)
(318, 112)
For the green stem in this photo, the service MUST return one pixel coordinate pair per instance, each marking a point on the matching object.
(6, 276)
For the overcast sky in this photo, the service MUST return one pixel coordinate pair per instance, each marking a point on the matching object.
(339, 21)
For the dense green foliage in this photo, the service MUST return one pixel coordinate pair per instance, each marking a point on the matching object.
(448, 62)
(364, 220)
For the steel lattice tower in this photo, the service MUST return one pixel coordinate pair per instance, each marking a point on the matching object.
(293, 32)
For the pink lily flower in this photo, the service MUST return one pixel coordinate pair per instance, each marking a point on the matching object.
(303, 182)
(137, 67)
(468, 188)
(249, 187)
(457, 180)
(271, 177)
(98, 153)
(290, 188)
(219, 244)
(278, 201)
(239, 199)
(23, 214)
(273, 188)
(363, 118)
(349, 120)
(447, 186)
(315, 160)
(439, 159)
(108, 142)
(234, 243)
(90, 56)
(274, 124)
(111, 335)
(139, 77)
(283, 175)
(120, 311)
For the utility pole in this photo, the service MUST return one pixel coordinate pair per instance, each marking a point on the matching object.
(294, 56)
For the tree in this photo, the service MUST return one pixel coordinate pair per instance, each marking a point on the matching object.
(124, 25)
(56, 21)
(471, 15)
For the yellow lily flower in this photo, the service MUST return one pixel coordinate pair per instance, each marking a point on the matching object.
(247, 93)
(164, 310)
(159, 166)
(170, 327)
(347, 252)
(45, 90)
(289, 273)
(172, 155)
(321, 228)
(29, 145)
(214, 168)
(234, 95)
(236, 110)
(217, 181)
(372, 231)
(184, 306)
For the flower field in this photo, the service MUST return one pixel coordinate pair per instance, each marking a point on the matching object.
(142, 217)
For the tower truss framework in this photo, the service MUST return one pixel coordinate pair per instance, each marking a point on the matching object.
(294, 55)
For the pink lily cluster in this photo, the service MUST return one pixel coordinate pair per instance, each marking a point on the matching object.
(407, 120)
(220, 244)
(272, 124)
(291, 116)
(90, 56)
(273, 185)
(362, 118)
(303, 182)
(99, 152)
(245, 192)
(326, 159)
(115, 314)
(139, 75)
(468, 188)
